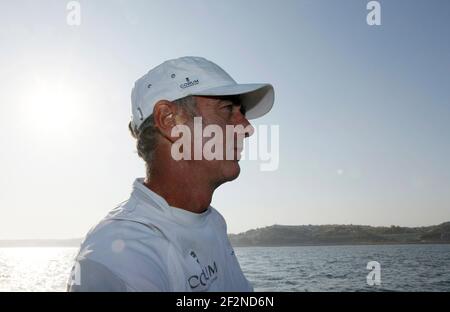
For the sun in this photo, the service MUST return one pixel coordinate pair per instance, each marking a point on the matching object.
(53, 105)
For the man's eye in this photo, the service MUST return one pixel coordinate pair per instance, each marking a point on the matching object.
(228, 107)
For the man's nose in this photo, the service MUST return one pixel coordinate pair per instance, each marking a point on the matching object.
(248, 128)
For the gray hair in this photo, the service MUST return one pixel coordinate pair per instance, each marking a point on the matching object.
(147, 134)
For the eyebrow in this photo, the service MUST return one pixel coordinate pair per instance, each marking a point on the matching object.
(235, 99)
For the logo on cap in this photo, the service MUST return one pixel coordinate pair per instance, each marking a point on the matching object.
(189, 83)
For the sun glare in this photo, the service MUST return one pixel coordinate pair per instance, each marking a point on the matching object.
(53, 106)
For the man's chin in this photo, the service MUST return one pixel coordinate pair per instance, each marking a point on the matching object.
(231, 170)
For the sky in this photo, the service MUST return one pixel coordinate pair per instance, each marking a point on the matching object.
(363, 111)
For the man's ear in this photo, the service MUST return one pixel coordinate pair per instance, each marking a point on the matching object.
(166, 117)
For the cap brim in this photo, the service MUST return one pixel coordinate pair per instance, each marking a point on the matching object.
(257, 98)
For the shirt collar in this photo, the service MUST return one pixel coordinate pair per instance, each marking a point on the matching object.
(181, 216)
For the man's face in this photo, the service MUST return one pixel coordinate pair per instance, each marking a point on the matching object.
(223, 112)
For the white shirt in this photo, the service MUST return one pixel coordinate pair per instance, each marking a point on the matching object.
(146, 245)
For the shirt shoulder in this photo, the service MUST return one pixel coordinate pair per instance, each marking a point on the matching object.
(125, 253)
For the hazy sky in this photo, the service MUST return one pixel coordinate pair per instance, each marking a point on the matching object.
(363, 111)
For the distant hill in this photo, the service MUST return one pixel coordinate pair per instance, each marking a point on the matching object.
(296, 235)
(291, 235)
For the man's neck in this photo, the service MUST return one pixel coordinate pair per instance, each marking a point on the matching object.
(180, 186)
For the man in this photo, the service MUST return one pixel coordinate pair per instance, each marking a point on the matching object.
(166, 236)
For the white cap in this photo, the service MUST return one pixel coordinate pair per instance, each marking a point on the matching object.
(190, 75)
